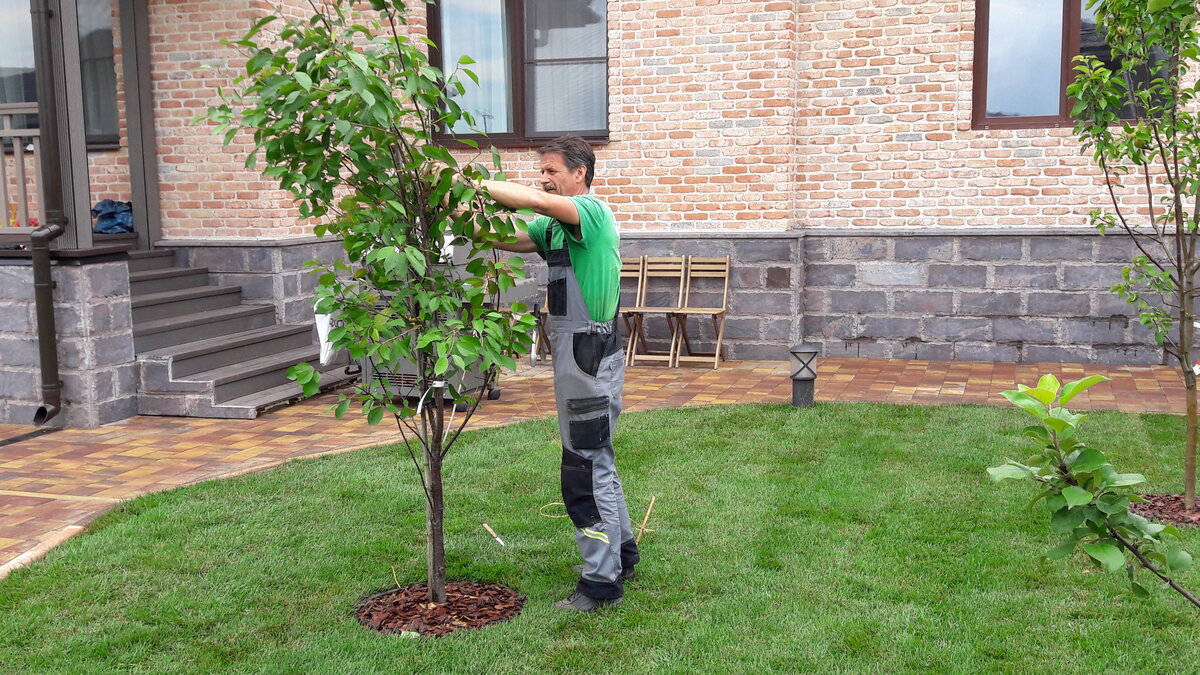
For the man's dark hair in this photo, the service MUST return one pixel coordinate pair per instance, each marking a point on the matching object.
(575, 152)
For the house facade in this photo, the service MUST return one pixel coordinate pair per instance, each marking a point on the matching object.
(891, 178)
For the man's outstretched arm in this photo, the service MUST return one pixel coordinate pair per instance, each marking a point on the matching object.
(517, 196)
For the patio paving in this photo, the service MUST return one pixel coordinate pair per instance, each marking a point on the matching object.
(52, 485)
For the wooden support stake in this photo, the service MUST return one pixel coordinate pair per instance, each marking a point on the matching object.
(642, 530)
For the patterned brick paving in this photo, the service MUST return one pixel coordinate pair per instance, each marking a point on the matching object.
(52, 485)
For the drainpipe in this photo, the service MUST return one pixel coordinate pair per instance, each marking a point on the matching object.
(43, 294)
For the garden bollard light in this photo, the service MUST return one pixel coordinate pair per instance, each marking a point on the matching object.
(804, 374)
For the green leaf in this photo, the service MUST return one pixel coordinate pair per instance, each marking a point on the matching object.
(1039, 433)
(1076, 496)
(1062, 550)
(1089, 460)
(1026, 402)
(1139, 591)
(1178, 559)
(1125, 479)
(1155, 5)
(304, 80)
(1111, 505)
(1072, 389)
(375, 415)
(1065, 520)
(360, 62)
(1006, 471)
(1049, 384)
(1107, 555)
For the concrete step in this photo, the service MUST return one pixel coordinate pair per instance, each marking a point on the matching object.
(276, 397)
(259, 374)
(166, 279)
(183, 302)
(177, 330)
(140, 261)
(225, 350)
(200, 404)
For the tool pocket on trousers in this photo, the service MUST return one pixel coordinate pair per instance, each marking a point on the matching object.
(583, 406)
(577, 492)
(556, 297)
(590, 349)
(589, 433)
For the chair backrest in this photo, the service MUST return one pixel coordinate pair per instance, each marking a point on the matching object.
(634, 268)
(707, 268)
(671, 269)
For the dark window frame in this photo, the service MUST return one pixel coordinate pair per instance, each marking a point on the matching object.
(519, 60)
(1070, 47)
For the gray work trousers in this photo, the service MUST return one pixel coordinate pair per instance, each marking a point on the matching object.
(589, 373)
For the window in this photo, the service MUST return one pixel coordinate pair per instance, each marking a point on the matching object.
(18, 79)
(1023, 52)
(542, 66)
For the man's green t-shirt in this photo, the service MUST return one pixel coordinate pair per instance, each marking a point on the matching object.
(596, 257)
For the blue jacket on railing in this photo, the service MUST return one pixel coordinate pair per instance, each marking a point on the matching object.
(112, 217)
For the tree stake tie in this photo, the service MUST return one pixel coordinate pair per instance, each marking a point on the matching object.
(494, 535)
(642, 530)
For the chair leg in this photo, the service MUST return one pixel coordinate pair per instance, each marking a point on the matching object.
(720, 331)
(685, 341)
(673, 323)
(631, 345)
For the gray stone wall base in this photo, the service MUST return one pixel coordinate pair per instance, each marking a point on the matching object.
(268, 271)
(95, 344)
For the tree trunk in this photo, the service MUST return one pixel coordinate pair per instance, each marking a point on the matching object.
(434, 506)
(1187, 332)
(1189, 459)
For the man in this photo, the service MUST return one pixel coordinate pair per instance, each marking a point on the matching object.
(577, 236)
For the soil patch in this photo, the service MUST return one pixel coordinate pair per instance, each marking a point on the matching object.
(468, 605)
(1166, 509)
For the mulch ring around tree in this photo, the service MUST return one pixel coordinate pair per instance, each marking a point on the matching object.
(1166, 509)
(468, 605)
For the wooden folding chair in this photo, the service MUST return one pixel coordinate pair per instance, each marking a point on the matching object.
(701, 268)
(631, 269)
(671, 271)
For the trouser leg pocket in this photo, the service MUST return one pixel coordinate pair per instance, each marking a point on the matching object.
(578, 491)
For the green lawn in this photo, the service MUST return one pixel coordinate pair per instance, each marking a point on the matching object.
(845, 537)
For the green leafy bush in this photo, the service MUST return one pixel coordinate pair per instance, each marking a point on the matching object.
(1087, 499)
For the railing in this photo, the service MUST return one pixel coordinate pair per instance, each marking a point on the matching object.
(20, 171)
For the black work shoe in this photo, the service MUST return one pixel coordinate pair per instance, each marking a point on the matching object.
(578, 602)
(626, 574)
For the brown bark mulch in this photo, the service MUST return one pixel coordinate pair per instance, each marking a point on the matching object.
(1166, 509)
(468, 605)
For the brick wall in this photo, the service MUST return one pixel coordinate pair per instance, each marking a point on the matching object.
(885, 139)
(206, 192)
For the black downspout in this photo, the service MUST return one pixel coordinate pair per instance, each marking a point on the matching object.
(43, 295)
(56, 218)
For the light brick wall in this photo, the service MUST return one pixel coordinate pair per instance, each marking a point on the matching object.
(206, 192)
(724, 115)
(885, 138)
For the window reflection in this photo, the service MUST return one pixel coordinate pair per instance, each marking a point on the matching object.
(18, 81)
(18, 78)
(476, 28)
(1024, 58)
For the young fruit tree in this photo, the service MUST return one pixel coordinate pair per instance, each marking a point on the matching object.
(1088, 501)
(1136, 112)
(343, 109)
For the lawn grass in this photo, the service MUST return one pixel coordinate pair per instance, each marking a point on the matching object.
(841, 538)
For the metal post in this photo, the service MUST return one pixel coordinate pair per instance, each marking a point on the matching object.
(804, 374)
